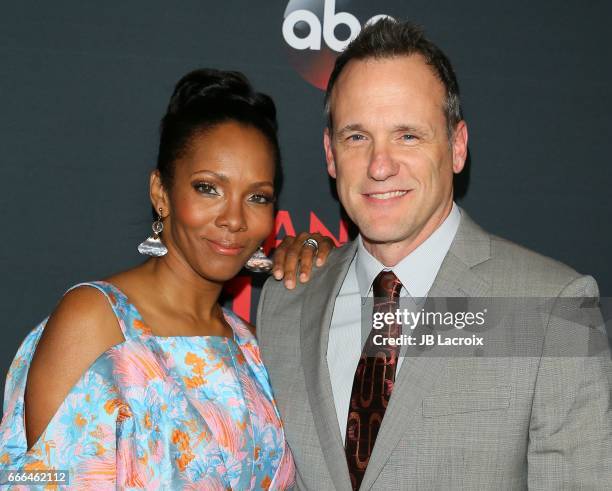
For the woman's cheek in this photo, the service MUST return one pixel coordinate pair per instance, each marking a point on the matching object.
(192, 214)
(263, 223)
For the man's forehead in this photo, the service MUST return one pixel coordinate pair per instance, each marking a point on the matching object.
(380, 87)
(374, 75)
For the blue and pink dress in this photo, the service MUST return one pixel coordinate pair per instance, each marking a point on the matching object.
(182, 412)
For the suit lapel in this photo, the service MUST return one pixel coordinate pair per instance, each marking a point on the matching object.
(317, 310)
(418, 375)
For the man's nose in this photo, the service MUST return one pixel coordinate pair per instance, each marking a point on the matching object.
(232, 216)
(381, 165)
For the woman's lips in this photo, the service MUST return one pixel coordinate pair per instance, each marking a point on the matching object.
(225, 248)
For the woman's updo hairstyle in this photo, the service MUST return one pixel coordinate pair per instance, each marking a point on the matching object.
(205, 98)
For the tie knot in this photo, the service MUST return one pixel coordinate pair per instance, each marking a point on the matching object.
(386, 285)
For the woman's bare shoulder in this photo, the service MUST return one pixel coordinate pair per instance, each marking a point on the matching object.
(84, 316)
(80, 329)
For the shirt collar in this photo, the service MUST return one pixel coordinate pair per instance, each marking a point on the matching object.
(418, 270)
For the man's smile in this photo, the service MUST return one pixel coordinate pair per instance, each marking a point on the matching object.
(386, 196)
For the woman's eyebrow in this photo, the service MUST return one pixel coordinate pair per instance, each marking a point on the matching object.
(261, 184)
(221, 177)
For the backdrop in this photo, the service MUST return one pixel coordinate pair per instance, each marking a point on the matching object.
(84, 85)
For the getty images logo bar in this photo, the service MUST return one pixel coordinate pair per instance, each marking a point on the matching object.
(310, 31)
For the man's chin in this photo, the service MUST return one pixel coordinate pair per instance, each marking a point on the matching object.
(382, 235)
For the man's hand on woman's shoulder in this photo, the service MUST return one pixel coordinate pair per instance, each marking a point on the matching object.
(299, 253)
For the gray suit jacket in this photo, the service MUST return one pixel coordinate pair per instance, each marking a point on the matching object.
(452, 423)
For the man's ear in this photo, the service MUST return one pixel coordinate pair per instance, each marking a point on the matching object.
(329, 154)
(459, 146)
(158, 194)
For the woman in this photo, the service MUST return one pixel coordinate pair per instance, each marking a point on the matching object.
(143, 380)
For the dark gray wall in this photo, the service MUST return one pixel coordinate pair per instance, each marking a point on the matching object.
(84, 85)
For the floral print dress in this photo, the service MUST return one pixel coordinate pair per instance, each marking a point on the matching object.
(183, 412)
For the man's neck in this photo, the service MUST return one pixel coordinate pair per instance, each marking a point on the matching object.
(391, 253)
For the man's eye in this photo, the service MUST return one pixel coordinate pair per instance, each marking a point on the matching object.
(355, 138)
(408, 137)
(262, 199)
(205, 188)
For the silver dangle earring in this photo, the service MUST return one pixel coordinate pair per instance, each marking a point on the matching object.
(153, 246)
(259, 262)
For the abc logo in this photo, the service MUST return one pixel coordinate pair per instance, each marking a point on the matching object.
(310, 29)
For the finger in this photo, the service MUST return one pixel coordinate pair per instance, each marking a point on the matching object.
(325, 247)
(278, 268)
(292, 258)
(307, 256)
(291, 265)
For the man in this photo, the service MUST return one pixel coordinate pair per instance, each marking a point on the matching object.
(394, 139)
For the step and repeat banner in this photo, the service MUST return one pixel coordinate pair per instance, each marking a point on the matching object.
(84, 85)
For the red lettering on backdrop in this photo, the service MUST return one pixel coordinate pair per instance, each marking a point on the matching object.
(317, 226)
(240, 287)
(240, 290)
(282, 221)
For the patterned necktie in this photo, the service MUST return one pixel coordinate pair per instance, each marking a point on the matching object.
(373, 382)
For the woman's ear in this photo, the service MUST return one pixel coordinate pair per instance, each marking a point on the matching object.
(158, 194)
